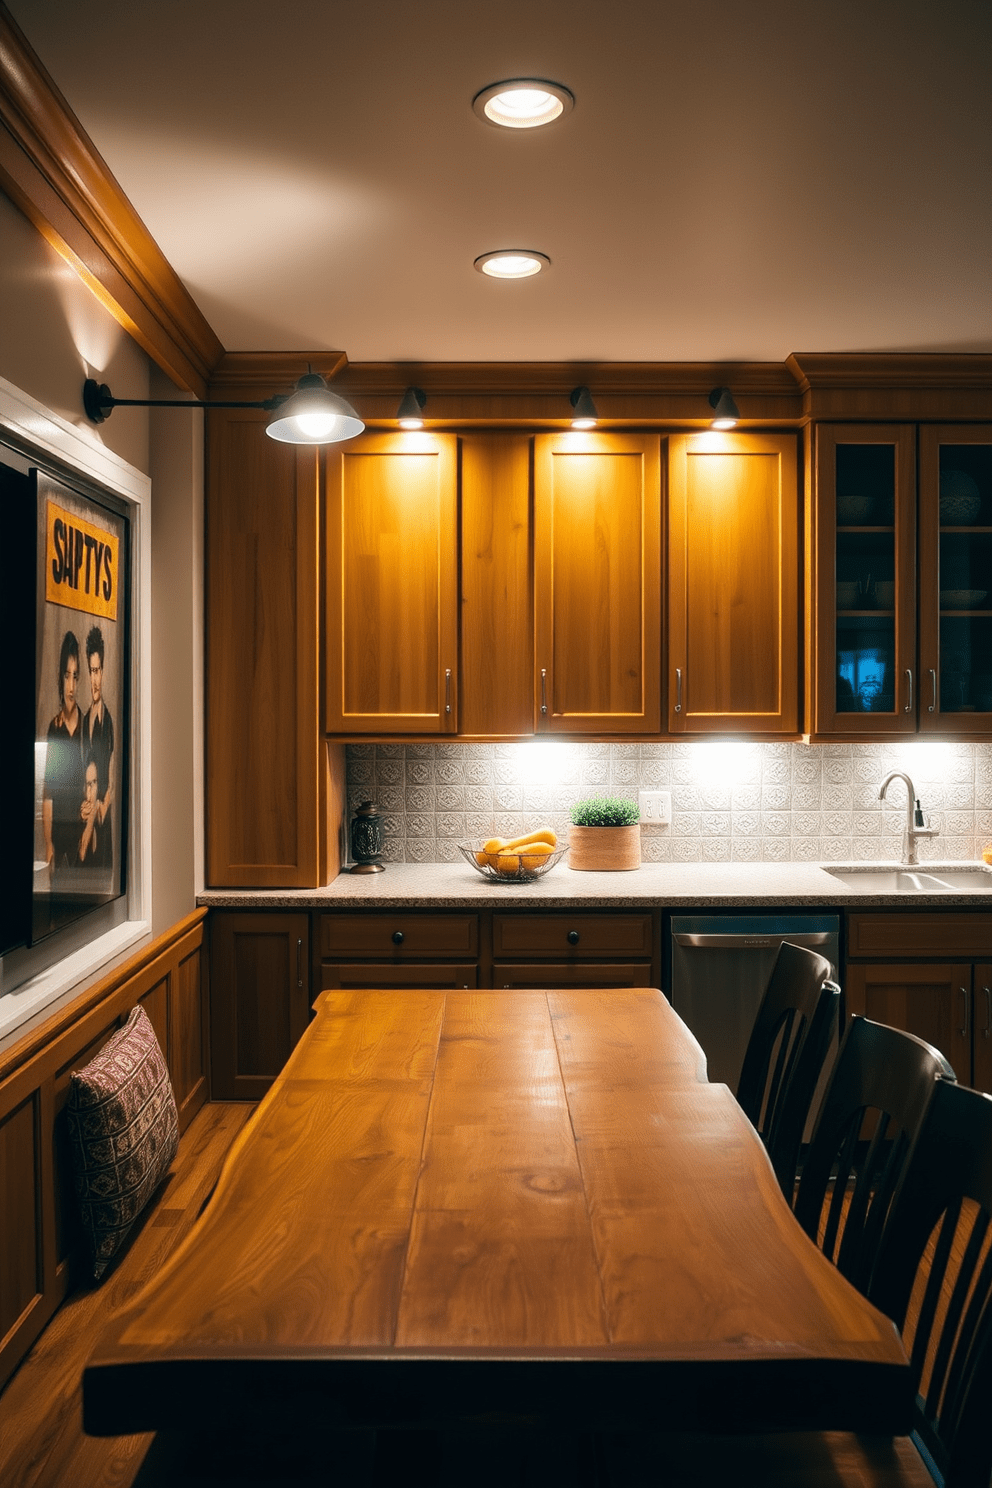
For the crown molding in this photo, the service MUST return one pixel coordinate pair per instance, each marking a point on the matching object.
(895, 385)
(268, 372)
(52, 171)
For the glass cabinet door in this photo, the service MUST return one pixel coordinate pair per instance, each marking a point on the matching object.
(956, 578)
(865, 580)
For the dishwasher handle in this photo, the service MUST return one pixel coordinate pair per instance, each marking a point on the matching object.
(755, 942)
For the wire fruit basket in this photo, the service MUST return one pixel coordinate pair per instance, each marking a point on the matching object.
(518, 867)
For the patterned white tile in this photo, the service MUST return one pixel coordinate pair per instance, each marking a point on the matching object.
(834, 750)
(419, 825)
(746, 797)
(479, 771)
(838, 771)
(685, 824)
(959, 797)
(395, 751)
(836, 849)
(776, 797)
(806, 850)
(716, 849)
(776, 824)
(654, 775)
(421, 850)
(447, 852)
(393, 825)
(392, 798)
(774, 771)
(451, 798)
(715, 796)
(746, 824)
(715, 823)
(806, 768)
(358, 752)
(775, 850)
(806, 797)
(656, 849)
(805, 824)
(479, 826)
(509, 798)
(450, 772)
(685, 798)
(478, 798)
(958, 823)
(394, 850)
(654, 751)
(451, 824)
(596, 772)
(746, 850)
(836, 823)
(686, 850)
(865, 798)
(624, 772)
(420, 771)
(421, 798)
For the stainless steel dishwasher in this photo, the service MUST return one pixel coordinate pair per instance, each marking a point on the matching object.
(720, 969)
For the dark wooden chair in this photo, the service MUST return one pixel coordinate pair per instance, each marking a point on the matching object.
(786, 1054)
(933, 1276)
(873, 1110)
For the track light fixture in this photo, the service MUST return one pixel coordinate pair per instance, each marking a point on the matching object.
(586, 415)
(408, 415)
(312, 414)
(725, 410)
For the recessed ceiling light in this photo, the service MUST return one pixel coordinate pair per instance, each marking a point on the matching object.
(522, 103)
(512, 263)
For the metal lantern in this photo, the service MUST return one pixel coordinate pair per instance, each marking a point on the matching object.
(366, 839)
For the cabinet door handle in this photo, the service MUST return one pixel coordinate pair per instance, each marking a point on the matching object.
(447, 689)
(909, 678)
(678, 689)
(573, 937)
(544, 689)
(299, 963)
(933, 684)
(397, 937)
(964, 994)
(988, 1012)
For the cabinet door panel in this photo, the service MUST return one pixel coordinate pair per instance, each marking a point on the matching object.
(981, 1024)
(391, 625)
(733, 584)
(259, 999)
(955, 584)
(863, 581)
(934, 1002)
(597, 583)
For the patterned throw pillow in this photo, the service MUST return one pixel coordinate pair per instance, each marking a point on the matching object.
(123, 1131)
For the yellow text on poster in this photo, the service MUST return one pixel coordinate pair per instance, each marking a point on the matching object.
(82, 567)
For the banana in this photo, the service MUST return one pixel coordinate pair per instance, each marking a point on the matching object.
(543, 834)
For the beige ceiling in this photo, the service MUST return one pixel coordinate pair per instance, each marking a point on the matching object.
(736, 181)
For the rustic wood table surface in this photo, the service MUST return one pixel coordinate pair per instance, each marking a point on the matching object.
(459, 1208)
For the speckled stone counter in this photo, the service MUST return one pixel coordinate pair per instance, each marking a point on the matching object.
(653, 885)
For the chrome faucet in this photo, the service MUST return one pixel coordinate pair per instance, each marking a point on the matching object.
(916, 823)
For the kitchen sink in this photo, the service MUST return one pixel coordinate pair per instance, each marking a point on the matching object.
(930, 880)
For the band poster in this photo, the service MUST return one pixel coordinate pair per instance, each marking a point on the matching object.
(81, 726)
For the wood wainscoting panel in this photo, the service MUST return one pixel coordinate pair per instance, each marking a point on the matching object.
(40, 1233)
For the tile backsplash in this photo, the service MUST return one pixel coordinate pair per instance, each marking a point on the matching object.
(731, 802)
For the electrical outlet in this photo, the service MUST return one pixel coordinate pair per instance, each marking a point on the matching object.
(656, 807)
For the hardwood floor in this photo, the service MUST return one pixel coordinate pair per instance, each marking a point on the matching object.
(41, 1435)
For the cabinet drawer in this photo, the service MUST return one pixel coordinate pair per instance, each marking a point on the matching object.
(450, 974)
(520, 974)
(578, 935)
(399, 935)
(919, 934)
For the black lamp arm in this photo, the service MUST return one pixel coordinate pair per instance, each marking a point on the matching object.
(99, 402)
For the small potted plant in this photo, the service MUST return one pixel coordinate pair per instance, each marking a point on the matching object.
(605, 835)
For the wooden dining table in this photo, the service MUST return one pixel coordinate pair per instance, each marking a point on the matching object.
(486, 1207)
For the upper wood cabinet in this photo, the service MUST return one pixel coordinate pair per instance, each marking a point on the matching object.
(391, 623)
(597, 583)
(266, 763)
(733, 626)
(901, 618)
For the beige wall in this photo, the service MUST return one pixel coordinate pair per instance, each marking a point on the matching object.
(54, 334)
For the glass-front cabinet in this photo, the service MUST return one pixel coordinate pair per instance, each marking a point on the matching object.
(956, 579)
(902, 581)
(864, 632)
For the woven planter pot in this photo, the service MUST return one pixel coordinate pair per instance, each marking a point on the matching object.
(604, 849)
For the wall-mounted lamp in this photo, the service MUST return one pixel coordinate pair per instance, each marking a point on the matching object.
(310, 415)
(408, 415)
(725, 410)
(586, 415)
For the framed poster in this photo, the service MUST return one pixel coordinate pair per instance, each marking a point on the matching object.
(82, 722)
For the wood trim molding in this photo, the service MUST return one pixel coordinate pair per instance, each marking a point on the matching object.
(906, 385)
(262, 373)
(53, 172)
(21, 1050)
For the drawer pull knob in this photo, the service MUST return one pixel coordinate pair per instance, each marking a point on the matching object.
(573, 937)
(397, 937)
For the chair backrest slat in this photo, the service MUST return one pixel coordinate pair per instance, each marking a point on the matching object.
(786, 1052)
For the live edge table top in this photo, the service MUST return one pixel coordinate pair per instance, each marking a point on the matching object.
(463, 1206)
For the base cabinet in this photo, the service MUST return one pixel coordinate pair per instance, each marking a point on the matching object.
(259, 998)
(947, 1002)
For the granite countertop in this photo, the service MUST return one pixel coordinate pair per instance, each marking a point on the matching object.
(669, 885)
